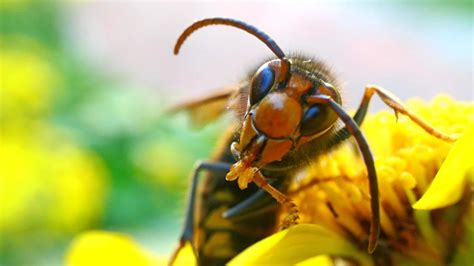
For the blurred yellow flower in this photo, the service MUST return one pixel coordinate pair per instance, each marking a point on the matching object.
(160, 161)
(29, 80)
(107, 248)
(49, 183)
(13, 4)
(334, 203)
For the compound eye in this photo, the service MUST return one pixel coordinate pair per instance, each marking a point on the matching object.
(262, 82)
(316, 119)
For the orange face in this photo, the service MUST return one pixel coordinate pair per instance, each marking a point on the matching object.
(277, 115)
(278, 119)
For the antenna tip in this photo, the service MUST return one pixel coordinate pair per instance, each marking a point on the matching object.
(176, 50)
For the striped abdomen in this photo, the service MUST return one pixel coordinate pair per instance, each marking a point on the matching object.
(217, 240)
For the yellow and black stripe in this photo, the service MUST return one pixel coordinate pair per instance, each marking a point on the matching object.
(217, 239)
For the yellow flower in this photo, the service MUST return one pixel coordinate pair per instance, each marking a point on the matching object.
(332, 194)
(448, 185)
(29, 80)
(104, 248)
(49, 184)
(159, 161)
(109, 248)
(334, 203)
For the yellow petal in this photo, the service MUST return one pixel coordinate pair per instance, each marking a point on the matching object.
(448, 185)
(321, 260)
(185, 256)
(297, 245)
(104, 248)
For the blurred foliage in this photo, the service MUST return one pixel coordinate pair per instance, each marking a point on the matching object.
(461, 7)
(36, 19)
(79, 150)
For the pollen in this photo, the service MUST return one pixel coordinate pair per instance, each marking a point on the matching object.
(333, 190)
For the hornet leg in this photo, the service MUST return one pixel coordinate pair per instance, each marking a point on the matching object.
(188, 230)
(393, 102)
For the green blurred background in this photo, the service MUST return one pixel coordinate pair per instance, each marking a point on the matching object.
(82, 149)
